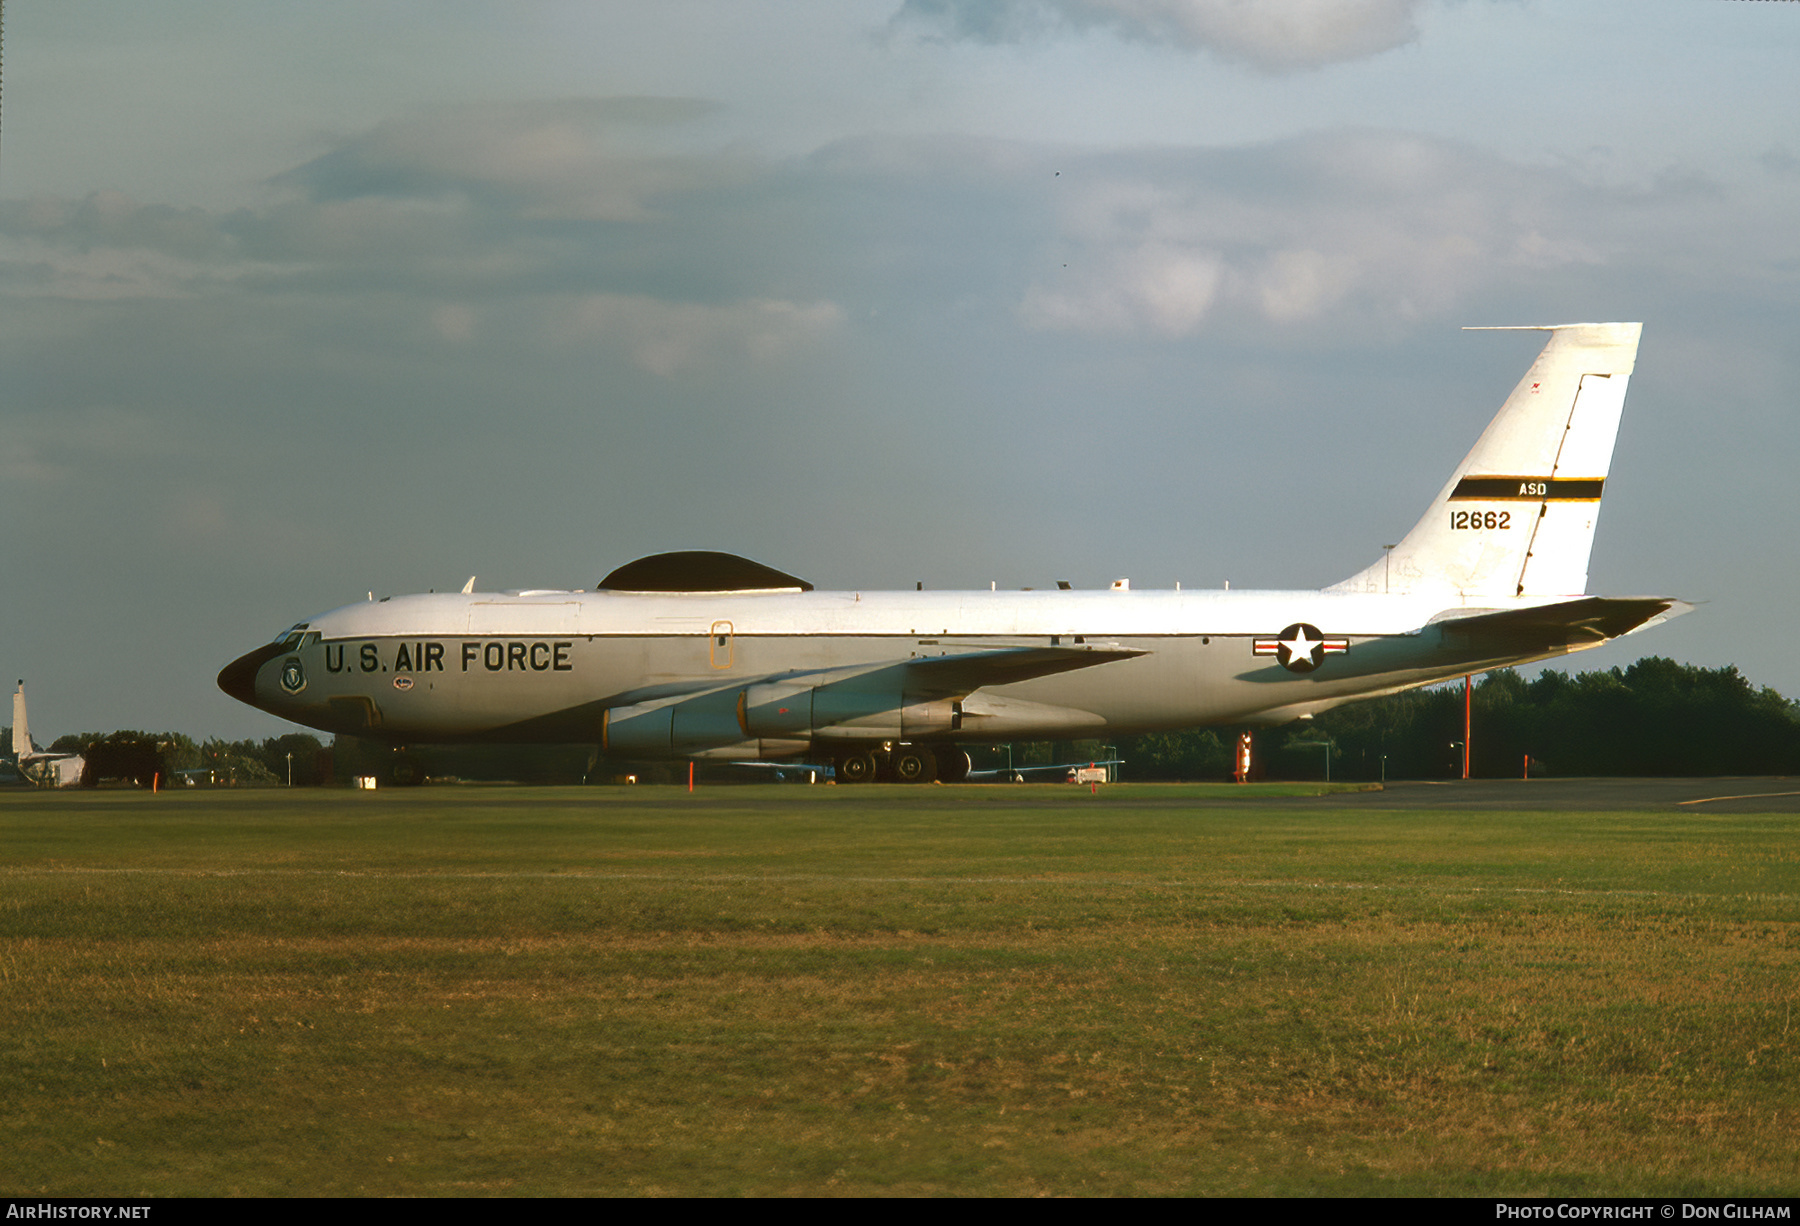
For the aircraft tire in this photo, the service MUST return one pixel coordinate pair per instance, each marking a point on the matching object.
(914, 764)
(953, 765)
(857, 768)
(405, 772)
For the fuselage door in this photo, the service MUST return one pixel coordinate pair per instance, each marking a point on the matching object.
(719, 645)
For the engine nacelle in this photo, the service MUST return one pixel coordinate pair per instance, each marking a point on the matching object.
(667, 729)
(670, 726)
(870, 707)
(781, 717)
(776, 708)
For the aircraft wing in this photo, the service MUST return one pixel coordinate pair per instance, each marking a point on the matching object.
(1016, 774)
(963, 673)
(887, 700)
(948, 676)
(785, 767)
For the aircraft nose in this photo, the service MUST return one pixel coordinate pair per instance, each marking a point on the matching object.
(238, 678)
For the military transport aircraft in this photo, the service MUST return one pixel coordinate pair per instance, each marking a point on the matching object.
(708, 655)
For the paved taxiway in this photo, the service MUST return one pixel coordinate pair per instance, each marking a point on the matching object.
(1725, 795)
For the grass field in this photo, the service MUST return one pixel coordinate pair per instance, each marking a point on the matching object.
(789, 990)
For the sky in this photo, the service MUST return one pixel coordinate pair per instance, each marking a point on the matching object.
(303, 302)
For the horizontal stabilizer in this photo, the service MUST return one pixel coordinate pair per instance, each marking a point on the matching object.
(1575, 624)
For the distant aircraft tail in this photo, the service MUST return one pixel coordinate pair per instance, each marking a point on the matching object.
(21, 735)
(1517, 518)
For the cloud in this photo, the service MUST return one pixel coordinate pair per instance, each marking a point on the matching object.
(1778, 160)
(1390, 225)
(1272, 35)
(45, 449)
(596, 159)
(596, 211)
(600, 223)
(664, 337)
(109, 247)
(454, 322)
(1164, 287)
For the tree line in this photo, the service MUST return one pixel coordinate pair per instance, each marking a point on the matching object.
(1655, 717)
(169, 759)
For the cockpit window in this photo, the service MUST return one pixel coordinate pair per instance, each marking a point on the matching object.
(298, 637)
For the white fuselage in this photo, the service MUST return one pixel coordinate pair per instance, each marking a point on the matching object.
(549, 665)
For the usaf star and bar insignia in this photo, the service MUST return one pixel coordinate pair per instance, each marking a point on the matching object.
(1301, 648)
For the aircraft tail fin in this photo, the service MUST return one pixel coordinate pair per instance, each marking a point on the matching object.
(1517, 517)
(21, 735)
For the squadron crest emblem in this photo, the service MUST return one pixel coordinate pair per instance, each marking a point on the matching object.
(293, 678)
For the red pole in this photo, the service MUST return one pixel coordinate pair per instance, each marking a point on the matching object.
(1468, 688)
(690, 776)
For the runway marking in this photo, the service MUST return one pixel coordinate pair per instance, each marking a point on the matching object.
(1707, 800)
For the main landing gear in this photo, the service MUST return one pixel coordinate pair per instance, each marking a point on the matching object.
(404, 769)
(904, 764)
